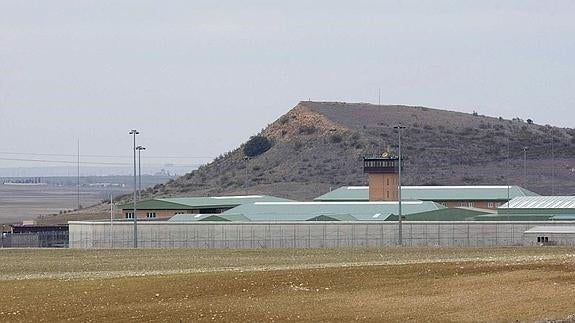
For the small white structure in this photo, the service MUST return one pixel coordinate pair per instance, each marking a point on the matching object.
(551, 235)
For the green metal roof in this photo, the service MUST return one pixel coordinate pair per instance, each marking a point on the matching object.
(208, 217)
(520, 217)
(563, 217)
(541, 202)
(302, 211)
(345, 193)
(183, 203)
(432, 193)
(333, 217)
(539, 205)
(447, 214)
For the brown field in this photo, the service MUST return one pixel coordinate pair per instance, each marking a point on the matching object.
(392, 284)
(19, 203)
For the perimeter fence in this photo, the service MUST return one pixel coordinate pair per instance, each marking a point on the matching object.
(304, 234)
(48, 239)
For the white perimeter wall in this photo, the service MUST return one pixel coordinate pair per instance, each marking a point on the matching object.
(305, 234)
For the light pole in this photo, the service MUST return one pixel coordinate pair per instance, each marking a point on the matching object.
(135, 132)
(400, 233)
(78, 177)
(507, 175)
(246, 158)
(139, 149)
(525, 167)
(552, 164)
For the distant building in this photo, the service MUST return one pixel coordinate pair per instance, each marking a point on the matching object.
(485, 197)
(535, 208)
(313, 211)
(168, 207)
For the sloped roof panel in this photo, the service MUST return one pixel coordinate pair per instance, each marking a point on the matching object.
(301, 211)
(447, 214)
(333, 217)
(177, 203)
(540, 202)
(432, 193)
(552, 229)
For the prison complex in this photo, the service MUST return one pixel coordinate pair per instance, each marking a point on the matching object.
(350, 216)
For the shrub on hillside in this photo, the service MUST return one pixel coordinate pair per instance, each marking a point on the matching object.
(256, 146)
(307, 130)
(336, 138)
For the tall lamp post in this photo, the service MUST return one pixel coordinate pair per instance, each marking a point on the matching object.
(135, 132)
(400, 233)
(139, 149)
(552, 164)
(525, 167)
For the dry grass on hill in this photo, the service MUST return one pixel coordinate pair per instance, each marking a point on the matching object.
(318, 145)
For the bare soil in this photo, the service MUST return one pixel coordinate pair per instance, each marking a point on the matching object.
(393, 284)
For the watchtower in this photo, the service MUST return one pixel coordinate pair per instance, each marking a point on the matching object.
(383, 177)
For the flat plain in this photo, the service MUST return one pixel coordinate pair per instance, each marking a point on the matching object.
(25, 202)
(391, 284)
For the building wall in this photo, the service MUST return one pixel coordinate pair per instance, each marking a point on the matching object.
(303, 234)
(473, 203)
(551, 238)
(143, 214)
(383, 187)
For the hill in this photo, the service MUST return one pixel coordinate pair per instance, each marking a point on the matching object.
(320, 145)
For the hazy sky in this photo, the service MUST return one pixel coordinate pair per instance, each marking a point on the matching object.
(197, 78)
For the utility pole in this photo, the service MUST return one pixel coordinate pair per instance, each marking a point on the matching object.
(139, 149)
(111, 219)
(552, 163)
(111, 209)
(78, 177)
(135, 132)
(400, 231)
(246, 158)
(525, 167)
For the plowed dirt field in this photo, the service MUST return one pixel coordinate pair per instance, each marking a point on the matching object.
(393, 284)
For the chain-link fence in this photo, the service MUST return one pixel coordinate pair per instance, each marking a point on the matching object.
(303, 234)
(49, 239)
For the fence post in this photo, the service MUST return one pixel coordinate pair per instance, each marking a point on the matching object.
(512, 235)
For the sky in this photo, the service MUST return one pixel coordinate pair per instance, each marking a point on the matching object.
(198, 78)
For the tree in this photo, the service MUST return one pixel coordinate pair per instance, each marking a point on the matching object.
(257, 145)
